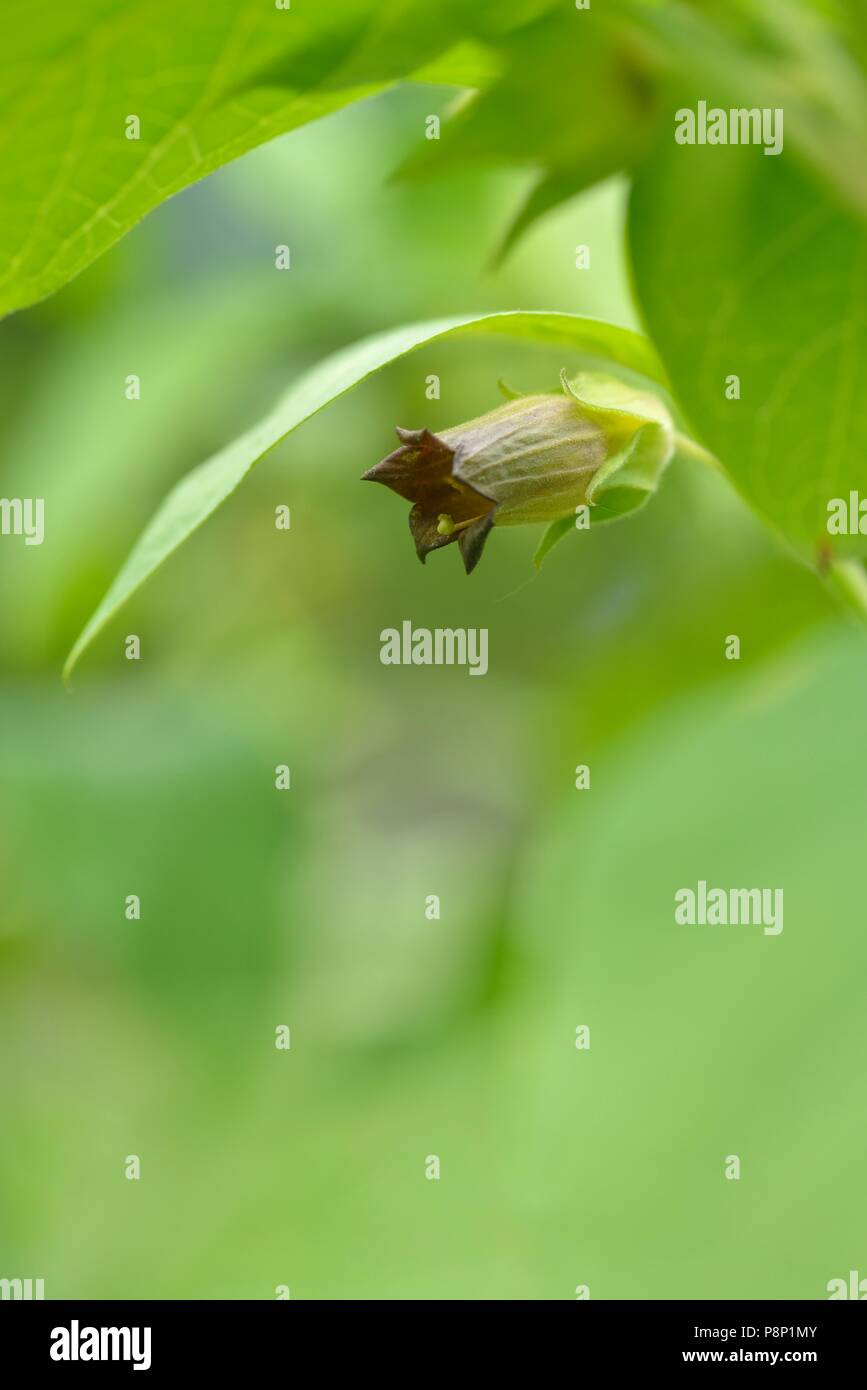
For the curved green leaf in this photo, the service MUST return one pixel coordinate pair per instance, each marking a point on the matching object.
(206, 82)
(201, 492)
(754, 294)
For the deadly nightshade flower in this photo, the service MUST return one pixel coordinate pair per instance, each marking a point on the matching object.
(598, 443)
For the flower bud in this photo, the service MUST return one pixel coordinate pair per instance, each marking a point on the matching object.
(536, 458)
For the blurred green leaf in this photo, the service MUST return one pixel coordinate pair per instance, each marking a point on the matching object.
(705, 1040)
(776, 53)
(561, 73)
(198, 495)
(582, 93)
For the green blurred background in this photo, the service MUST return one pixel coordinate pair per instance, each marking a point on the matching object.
(410, 1037)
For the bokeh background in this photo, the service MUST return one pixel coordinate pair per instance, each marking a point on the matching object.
(410, 1037)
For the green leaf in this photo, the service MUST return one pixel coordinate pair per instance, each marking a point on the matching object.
(560, 73)
(206, 81)
(763, 279)
(777, 54)
(549, 191)
(201, 492)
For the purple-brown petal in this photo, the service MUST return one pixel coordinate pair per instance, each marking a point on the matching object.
(472, 540)
(419, 464)
(423, 470)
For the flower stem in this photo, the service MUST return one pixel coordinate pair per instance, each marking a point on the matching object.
(848, 580)
(688, 447)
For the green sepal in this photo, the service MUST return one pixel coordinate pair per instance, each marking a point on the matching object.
(631, 475)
